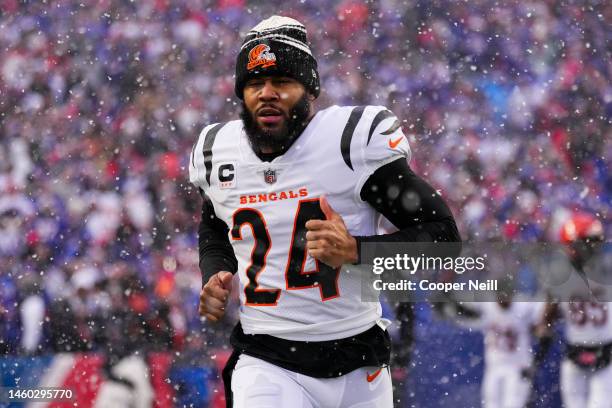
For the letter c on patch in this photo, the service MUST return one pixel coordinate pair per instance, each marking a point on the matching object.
(226, 172)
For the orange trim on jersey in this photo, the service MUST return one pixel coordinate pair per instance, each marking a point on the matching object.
(239, 238)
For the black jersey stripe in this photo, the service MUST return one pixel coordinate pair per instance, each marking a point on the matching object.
(209, 140)
(396, 125)
(193, 153)
(347, 134)
(380, 116)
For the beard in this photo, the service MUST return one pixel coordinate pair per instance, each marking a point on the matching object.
(277, 140)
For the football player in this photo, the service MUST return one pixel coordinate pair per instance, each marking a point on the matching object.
(586, 372)
(508, 328)
(290, 194)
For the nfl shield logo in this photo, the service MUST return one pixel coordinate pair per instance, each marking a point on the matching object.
(270, 176)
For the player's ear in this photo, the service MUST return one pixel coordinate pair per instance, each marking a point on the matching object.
(311, 97)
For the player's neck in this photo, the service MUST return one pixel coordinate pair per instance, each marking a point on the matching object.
(268, 157)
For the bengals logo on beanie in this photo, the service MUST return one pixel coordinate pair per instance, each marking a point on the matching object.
(260, 55)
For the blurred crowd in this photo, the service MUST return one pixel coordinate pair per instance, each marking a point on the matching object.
(508, 105)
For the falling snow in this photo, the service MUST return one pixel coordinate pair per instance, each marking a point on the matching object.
(507, 107)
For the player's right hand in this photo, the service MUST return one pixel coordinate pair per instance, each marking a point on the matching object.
(214, 296)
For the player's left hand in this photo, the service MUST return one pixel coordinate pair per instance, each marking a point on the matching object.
(329, 240)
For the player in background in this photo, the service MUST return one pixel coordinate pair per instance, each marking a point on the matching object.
(508, 328)
(289, 196)
(586, 372)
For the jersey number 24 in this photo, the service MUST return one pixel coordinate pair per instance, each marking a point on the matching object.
(324, 277)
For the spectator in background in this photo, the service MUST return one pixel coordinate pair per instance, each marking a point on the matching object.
(32, 311)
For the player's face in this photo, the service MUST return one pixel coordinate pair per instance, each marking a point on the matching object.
(270, 100)
(275, 111)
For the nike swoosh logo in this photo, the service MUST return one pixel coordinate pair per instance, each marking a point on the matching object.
(393, 143)
(372, 377)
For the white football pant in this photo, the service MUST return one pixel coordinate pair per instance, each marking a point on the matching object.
(504, 387)
(258, 384)
(582, 388)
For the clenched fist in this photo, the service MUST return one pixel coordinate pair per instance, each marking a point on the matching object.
(214, 296)
(329, 240)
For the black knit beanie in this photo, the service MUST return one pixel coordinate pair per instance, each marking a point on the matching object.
(277, 46)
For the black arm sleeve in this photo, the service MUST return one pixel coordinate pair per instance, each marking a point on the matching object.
(216, 252)
(411, 204)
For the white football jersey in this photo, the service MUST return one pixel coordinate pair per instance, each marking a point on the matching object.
(588, 314)
(588, 321)
(507, 332)
(283, 291)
